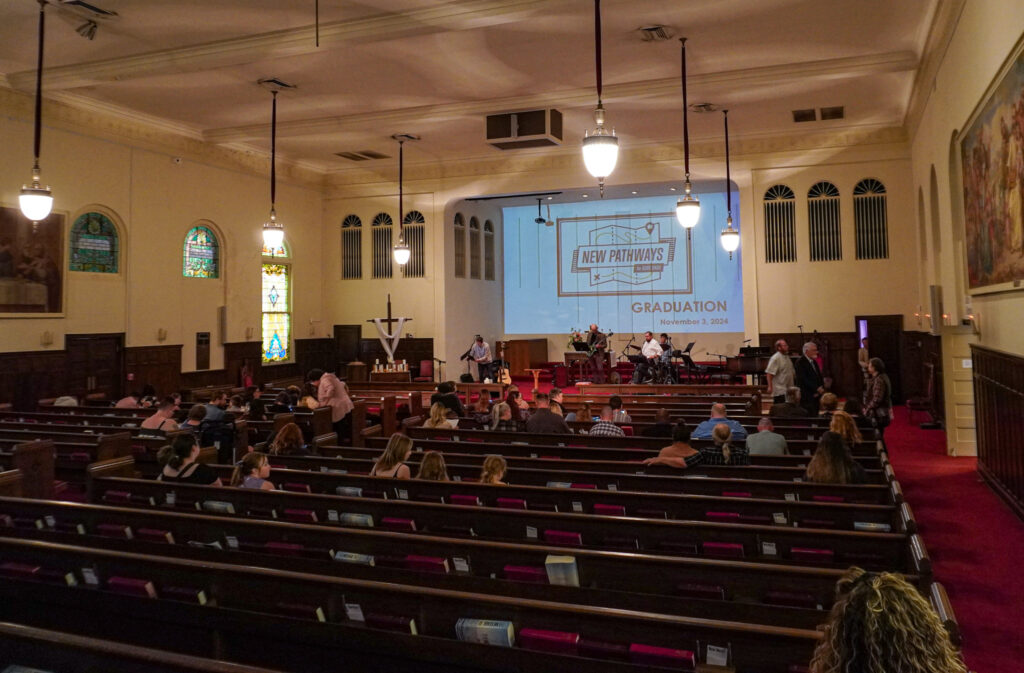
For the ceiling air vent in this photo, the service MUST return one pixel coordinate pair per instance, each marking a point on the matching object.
(518, 130)
(362, 155)
(655, 33)
(837, 112)
(702, 108)
(804, 115)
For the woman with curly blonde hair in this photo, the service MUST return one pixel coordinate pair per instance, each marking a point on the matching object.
(880, 624)
(843, 425)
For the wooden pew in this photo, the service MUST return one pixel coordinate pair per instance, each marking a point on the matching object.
(10, 483)
(35, 461)
(290, 620)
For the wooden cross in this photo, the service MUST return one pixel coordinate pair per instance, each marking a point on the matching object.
(389, 319)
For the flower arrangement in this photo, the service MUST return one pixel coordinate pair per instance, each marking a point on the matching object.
(575, 336)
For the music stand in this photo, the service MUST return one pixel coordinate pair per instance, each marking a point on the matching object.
(689, 347)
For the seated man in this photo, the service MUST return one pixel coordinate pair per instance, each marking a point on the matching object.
(651, 351)
(544, 420)
(605, 427)
(447, 396)
(766, 442)
(662, 425)
(163, 419)
(791, 407)
(619, 414)
(719, 416)
(215, 409)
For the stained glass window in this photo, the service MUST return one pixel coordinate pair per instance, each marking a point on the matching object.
(279, 251)
(201, 258)
(276, 313)
(94, 244)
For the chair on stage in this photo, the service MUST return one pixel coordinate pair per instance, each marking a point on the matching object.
(426, 371)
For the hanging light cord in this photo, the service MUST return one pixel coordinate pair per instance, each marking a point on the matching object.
(273, 152)
(597, 45)
(37, 140)
(317, 18)
(401, 167)
(728, 190)
(686, 126)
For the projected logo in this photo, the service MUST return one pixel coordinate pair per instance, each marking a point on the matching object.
(628, 256)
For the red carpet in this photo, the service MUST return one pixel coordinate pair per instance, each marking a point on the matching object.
(975, 542)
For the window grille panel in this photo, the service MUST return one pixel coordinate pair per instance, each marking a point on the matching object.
(823, 223)
(414, 237)
(474, 248)
(352, 248)
(870, 220)
(460, 246)
(488, 250)
(780, 224)
(381, 237)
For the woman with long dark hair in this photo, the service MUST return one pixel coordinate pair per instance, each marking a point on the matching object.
(878, 397)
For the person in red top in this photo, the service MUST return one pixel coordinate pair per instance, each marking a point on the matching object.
(332, 392)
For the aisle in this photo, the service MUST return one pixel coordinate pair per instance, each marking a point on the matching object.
(975, 541)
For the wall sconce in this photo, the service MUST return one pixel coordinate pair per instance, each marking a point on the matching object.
(161, 334)
(248, 333)
(918, 315)
(46, 339)
(974, 322)
(930, 323)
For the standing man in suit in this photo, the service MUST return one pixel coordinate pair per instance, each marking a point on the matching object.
(809, 379)
(598, 342)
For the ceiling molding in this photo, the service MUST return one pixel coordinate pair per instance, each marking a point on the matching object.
(838, 68)
(450, 16)
(940, 34)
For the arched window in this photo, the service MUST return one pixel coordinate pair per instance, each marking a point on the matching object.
(351, 247)
(823, 222)
(201, 255)
(279, 251)
(488, 250)
(460, 246)
(474, 247)
(414, 232)
(382, 226)
(94, 244)
(870, 220)
(276, 307)
(780, 224)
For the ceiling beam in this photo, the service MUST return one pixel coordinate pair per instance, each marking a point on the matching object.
(706, 83)
(450, 16)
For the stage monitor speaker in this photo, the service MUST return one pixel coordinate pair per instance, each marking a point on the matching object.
(935, 303)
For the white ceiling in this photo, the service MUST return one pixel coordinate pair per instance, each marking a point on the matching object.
(437, 68)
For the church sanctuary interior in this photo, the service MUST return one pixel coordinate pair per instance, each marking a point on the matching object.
(511, 336)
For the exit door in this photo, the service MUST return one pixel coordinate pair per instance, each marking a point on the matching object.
(885, 336)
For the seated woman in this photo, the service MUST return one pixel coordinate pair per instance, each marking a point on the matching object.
(501, 418)
(236, 405)
(493, 470)
(432, 467)
(855, 409)
(679, 453)
(392, 461)
(179, 463)
(438, 417)
(520, 408)
(481, 410)
(282, 404)
(842, 424)
(832, 463)
(288, 442)
(723, 452)
(257, 410)
(252, 471)
(828, 405)
(583, 414)
(880, 622)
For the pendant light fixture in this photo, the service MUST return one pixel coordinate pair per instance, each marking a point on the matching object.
(600, 148)
(688, 207)
(36, 201)
(730, 237)
(401, 251)
(273, 231)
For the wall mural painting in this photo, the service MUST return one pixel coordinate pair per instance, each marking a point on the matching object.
(31, 263)
(992, 157)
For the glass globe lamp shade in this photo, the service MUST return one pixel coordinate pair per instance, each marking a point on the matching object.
(730, 239)
(36, 202)
(600, 153)
(273, 232)
(401, 253)
(688, 211)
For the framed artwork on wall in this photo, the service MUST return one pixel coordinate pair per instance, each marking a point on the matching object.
(992, 169)
(31, 264)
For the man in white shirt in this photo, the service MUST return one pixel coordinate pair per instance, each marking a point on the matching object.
(780, 372)
(481, 354)
(651, 352)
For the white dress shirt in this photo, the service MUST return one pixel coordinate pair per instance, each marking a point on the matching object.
(651, 349)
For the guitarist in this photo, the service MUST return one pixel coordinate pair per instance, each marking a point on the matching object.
(598, 343)
(481, 354)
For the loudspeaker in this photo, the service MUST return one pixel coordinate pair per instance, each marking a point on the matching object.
(466, 378)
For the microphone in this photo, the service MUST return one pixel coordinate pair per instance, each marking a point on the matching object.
(746, 341)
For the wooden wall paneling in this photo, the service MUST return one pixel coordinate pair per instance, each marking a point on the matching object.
(158, 366)
(236, 355)
(919, 350)
(319, 353)
(999, 414)
(29, 376)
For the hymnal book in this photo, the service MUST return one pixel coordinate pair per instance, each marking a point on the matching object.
(185, 594)
(209, 545)
(352, 519)
(869, 527)
(302, 611)
(131, 586)
(559, 484)
(828, 498)
(526, 574)
(468, 500)
(662, 656)
(555, 642)
(590, 487)
(70, 527)
(726, 549)
(398, 524)
(812, 555)
(511, 503)
(736, 494)
(562, 570)
(13, 569)
(301, 515)
(155, 535)
(114, 530)
(792, 599)
(652, 513)
(350, 491)
(218, 507)
(391, 623)
(292, 487)
(460, 531)
(54, 576)
(563, 537)
(678, 547)
(352, 557)
(621, 542)
(724, 517)
(486, 632)
(609, 510)
(756, 519)
(601, 649)
(430, 564)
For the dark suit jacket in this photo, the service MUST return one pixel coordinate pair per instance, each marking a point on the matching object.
(808, 380)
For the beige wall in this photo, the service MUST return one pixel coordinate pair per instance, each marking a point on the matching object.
(985, 36)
